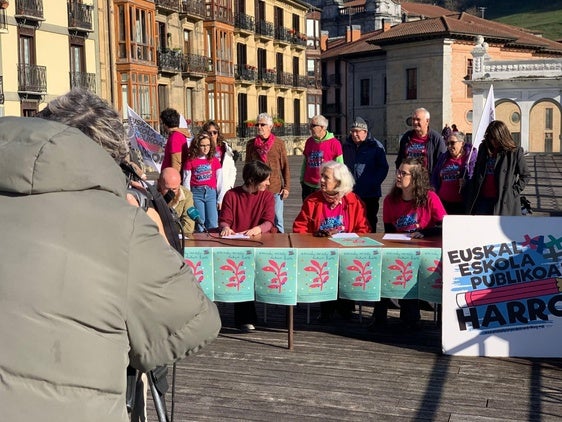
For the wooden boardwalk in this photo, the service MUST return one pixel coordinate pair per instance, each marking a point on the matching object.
(342, 372)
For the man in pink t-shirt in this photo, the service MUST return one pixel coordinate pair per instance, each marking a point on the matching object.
(175, 151)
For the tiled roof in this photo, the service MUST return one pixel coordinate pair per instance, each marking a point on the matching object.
(464, 25)
(361, 46)
(421, 9)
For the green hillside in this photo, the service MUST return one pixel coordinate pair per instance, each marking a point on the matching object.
(545, 18)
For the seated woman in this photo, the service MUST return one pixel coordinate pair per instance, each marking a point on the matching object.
(452, 172)
(248, 209)
(333, 209)
(410, 207)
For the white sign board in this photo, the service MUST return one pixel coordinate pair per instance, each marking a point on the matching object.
(502, 283)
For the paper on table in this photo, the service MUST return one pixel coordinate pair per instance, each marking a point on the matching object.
(397, 236)
(344, 235)
(237, 236)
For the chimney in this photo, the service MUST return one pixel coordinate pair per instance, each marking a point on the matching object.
(353, 33)
(324, 40)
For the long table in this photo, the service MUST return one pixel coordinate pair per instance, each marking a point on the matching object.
(290, 268)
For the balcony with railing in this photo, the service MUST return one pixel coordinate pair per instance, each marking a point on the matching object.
(245, 24)
(79, 16)
(298, 40)
(284, 79)
(300, 81)
(283, 35)
(220, 13)
(267, 76)
(32, 79)
(167, 7)
(3, 21)
(245, 73)
(195, 66)
(29, 10)
(169, 61)
(83, 80)
(265, 29)
(1, 89)
(193, 9)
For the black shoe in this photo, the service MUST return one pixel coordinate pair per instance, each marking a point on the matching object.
(377, 324)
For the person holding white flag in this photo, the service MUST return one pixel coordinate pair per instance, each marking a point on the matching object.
(500, 174)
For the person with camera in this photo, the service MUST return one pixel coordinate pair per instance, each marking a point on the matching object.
(88, 284)
(177, 197)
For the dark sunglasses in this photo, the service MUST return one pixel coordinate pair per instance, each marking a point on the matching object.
(261, 124)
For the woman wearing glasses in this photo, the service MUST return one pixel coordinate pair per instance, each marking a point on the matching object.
(225, 155)
(452, 172)
(410, 207)
(202, 174)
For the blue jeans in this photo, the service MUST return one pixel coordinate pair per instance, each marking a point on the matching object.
(279, 213)
(205, 200)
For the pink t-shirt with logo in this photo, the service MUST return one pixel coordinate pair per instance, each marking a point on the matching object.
(407, 218)
(417, 148)
(450, 175)
(203, 171)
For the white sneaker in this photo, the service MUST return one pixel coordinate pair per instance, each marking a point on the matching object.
(246, 328)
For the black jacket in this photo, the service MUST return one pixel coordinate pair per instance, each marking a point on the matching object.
(511, 175)
(435, 146)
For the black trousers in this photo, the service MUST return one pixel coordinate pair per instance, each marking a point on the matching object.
(245, 313)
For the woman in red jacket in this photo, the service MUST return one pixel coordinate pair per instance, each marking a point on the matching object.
(333, 209)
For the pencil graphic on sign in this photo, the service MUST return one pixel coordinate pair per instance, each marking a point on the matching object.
(549, 286)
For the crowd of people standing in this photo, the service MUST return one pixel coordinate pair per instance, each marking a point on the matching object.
(436, 173)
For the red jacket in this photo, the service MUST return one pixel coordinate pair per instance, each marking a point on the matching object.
(308, 220)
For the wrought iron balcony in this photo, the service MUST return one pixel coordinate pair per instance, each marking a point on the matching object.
(83, 80)
(79, 16)
(169, 61)
(1, 89)
(298, 40)
(244, 22)
(195, 65)
(193, 8)
(222, 14)
(267, 76)
(285, 78)
(32, 79)
(168, 6)
(246, 73)
(283, 35)
(30, 9)
(3, 21)
(300, 81)
(265, 28)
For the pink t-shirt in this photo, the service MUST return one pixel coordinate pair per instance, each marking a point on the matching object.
(176, 143)
(203, 171)
(489, 188)
(450, 175)
(334, 220)
(417, 148)
(406, 218)
(317, 153)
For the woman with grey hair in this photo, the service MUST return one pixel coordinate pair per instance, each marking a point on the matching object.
(333, 209)
(452, 172)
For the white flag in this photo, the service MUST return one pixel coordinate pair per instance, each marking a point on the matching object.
(144, 138)
(488, 116)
